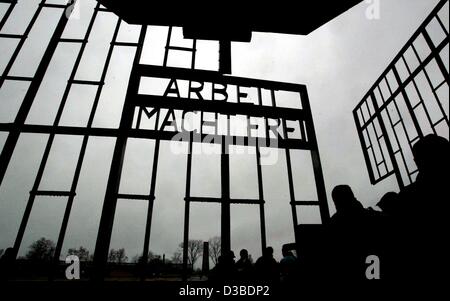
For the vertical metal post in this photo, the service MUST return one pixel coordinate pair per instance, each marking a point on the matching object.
(317, 166)
(262, 218)
(290, 177)
(205, 261)
(225, 205)
(166, 50)
(186, 208)
(225, 57)
(151, 201)
(291, 186)
(186, 239)
(110, 203)
(363, 146)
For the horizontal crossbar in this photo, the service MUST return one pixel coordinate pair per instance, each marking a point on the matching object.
(155, 134)
(220, 200)
(135, 197)
(12, 36)
(305, 203)
(126, 44)
(53, 193)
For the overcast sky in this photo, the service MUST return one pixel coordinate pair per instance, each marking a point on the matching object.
(338, 62)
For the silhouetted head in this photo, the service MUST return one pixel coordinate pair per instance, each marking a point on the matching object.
(229, 256)
(344, 199)
(243, 253)
(268, 252)
(431, 154)
(388, 202)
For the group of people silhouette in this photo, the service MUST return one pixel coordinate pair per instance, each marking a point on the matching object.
(266, 268)
(407, 236)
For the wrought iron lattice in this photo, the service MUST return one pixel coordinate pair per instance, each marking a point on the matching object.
(135, 106)
(408, 101)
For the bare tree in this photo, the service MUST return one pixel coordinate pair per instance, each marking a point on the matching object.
(215, 249)
(81, 252)
(177, 257)
(117, 256)
(41, 250)
(194, 250)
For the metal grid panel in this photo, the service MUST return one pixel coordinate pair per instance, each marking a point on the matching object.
(19, 125)
(132, 106)
(408, 101)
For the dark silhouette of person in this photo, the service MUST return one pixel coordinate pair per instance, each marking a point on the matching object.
(389, 203)
(383, 229)
(348, 209)
(225, 269)
(422, 213)
(288, 266)
(429, 191)
(347, 235)
(266, 267)
(244, 266)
